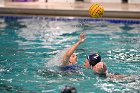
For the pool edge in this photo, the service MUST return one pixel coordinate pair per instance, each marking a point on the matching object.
(60, 12)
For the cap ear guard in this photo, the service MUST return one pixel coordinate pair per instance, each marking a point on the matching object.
(94, 59)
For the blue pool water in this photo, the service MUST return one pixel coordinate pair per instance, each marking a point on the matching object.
(29, 47)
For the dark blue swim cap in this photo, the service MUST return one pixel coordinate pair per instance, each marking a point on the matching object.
(69, 89)
(94, 59)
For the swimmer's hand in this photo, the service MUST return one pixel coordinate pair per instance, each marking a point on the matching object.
(82, 38)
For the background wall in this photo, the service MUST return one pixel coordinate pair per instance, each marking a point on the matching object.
(72, 1)
(62, 1)
(107, 1)
(1, 2)
(134, 1)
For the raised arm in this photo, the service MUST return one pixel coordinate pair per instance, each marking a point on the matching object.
(71, 50)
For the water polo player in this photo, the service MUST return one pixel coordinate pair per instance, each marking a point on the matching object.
(69, 58)
(93, 61)
(69, 89)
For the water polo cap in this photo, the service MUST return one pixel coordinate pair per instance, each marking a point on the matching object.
(94, 59)
(69, 89)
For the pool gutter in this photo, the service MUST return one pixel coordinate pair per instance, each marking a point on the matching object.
(59, 12)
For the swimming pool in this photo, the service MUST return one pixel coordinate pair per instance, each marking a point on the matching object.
(29, 43)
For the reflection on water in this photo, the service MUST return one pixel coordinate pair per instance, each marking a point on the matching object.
(29, 48)
(130, 55)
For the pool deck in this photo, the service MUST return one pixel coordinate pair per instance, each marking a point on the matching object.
(80, 9)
